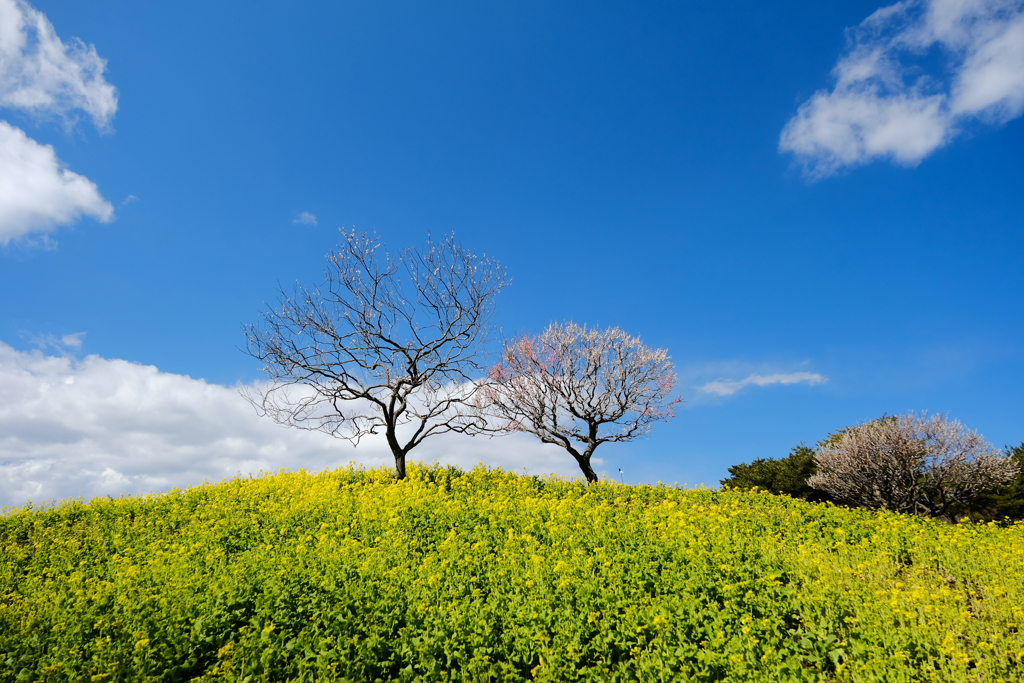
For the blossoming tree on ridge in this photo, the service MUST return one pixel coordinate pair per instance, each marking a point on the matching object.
(919, 464)
(579, 388)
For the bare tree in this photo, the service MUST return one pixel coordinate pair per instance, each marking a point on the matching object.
(386, 344)
(910, 463)
(579, 388)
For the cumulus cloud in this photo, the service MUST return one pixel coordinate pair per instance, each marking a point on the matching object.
(37, 193)
(42, 75)
(71, 428)
(728, 387)
(305, 218)
(914, 74)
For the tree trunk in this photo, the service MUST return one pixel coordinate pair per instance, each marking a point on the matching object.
(588, 472)
(397, 451)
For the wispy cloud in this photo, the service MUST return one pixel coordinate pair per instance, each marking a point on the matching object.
(72, 341)
(305, 218)
(890, 101)
(63, 344)
(41, 75)
(105, 427)
(728, 387)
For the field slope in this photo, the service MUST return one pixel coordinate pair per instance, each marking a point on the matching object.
(486, 575)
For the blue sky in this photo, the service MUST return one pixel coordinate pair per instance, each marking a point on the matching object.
(828, 194)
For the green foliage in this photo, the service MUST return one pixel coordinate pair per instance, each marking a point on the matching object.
(787, 475)
(351, 575)
(1008, 502)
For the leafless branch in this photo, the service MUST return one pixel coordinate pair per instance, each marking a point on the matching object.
(385, 342)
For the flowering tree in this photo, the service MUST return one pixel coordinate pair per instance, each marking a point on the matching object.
(579, 388)
(910, 463)
(386, 344)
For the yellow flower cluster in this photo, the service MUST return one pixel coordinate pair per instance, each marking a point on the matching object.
(486, 575)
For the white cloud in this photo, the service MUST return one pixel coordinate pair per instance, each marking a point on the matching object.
(72, 341)
(42, 75)
(93, 427)
(62, 345)
(36, 192)
(887, 105)
(305, 218)
(727, 387)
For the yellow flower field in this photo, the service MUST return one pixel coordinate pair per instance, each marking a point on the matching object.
(491, 576)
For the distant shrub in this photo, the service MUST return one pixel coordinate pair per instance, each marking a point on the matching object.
(921, 464)
(787, 475)
(1007, 502)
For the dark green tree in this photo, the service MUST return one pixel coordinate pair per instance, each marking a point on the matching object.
(1007, 502)
(787, 475)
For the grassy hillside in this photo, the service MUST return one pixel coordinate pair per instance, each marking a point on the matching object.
(349, 575)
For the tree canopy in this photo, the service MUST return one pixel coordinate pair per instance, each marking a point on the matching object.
(388, 343)
(579, 387)
(787, 475)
